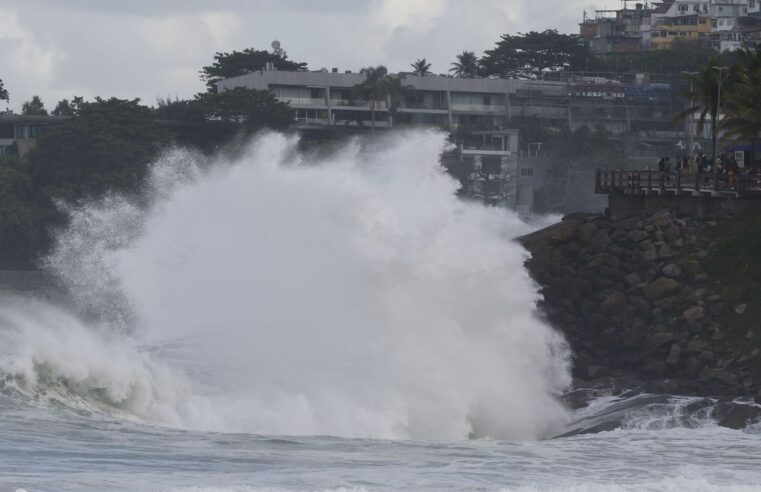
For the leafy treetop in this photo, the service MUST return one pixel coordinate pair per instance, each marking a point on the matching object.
(532, 54)
(3, 92)
(237, 63)
(34, 107)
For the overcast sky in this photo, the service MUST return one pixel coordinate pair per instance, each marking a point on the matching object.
(151, 48)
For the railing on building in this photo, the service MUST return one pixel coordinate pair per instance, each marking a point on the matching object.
(677, 183)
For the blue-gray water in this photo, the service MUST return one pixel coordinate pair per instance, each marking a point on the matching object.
(353, 296)
(44, 448)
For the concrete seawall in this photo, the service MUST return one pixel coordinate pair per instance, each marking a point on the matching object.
(700, 207)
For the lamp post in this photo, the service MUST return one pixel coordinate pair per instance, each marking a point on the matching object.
(690, 124)
(718, 113)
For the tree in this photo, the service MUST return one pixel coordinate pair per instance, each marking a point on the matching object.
(67, 108)
(250, 108)
(703, 98)
(421, 67)
(3, 92)
(107, 145)
(34, 107)
(530, 55)
(380, 86)
(742, 115)
(466, 65)
(24, 217)
(227, 65)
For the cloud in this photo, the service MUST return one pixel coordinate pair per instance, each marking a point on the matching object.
(152, 48)
(26, 57)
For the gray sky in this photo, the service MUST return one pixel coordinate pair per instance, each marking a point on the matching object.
(151, 48)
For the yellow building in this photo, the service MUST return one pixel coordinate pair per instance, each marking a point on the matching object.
(688, 28)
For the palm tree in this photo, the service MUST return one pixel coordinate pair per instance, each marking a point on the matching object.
(703, 97)
(373, 88)
(421, 67)
(380, 86)
(395, 90)
(466, 65)
(742, 116)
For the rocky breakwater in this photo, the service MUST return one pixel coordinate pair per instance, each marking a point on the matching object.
(635, 300)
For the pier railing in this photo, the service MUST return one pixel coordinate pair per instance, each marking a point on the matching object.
(677, 183)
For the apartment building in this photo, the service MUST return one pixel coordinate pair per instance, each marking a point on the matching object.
(724, 25)
(483, 109)
(18, 132)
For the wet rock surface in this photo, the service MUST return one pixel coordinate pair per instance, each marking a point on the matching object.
(633, 300)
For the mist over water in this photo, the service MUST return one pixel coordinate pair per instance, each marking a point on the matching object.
(277, 293)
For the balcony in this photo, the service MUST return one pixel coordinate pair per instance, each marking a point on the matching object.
(477, 108)
(304, 101)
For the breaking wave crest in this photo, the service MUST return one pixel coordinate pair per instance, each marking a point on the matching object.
(281, 293)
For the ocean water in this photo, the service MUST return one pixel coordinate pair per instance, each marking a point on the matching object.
(282, 321)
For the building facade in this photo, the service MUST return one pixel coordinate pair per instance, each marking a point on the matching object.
(19, 132)
(482, 111)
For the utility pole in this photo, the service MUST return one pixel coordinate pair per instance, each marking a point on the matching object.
(690, 122)
(718, 113)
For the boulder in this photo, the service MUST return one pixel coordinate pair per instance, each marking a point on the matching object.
(672, 233)
(633, 279)
(736, 415)
(671, 270)
(694, 313)
(637, 235)
(613, 303)
(660, 288)
(658, 340)
(674, 354)
(586, 233)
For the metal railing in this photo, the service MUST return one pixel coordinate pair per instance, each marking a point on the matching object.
(696, 184)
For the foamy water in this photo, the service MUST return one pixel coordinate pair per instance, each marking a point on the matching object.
(277, 294)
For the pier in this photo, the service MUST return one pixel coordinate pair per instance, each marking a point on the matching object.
(693, 194)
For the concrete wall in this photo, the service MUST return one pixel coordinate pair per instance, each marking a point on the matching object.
(624, 206)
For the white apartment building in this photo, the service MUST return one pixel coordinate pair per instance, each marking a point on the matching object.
(325, 100)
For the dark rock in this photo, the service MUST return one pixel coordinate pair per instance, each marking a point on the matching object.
(674, 354)
(694, 313)
(637, 235)
(658, 340)
(736, 415)
(633, 279)
(661, 287)
(671, 270)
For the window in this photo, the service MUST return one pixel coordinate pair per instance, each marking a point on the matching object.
(315, 94)
(487, 101)
(491, 164)
(527, 172)
(6, 131)
(683, 8)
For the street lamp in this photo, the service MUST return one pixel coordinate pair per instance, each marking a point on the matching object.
(690, 121)
(718, 113)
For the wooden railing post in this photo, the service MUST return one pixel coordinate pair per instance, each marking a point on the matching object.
(650, 182)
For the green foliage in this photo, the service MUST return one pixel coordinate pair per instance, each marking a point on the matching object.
(106, 146)
(742, 108)
(227, 65)
(682, 57)
(251, 109)
(24, 217)
(703, 97)
(421, 67)
(3, 92)
(68, 108)
(733, 260)
(467, 65)
(379, 86)
(530, 55)
(34, 107)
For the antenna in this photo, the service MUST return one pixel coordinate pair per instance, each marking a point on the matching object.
(277, 50)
